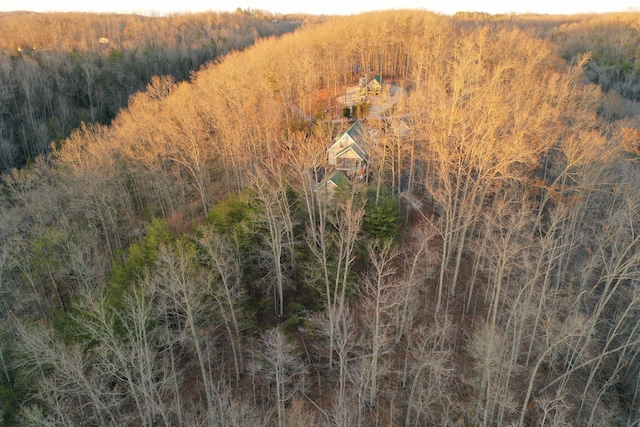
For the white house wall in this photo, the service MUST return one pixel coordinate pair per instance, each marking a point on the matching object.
(344, 141)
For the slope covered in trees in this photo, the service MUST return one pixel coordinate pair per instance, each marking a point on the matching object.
(60, 69)
(181, 266)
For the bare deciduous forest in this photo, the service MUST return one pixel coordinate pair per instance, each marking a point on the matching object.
(58, 70)
(397, 218)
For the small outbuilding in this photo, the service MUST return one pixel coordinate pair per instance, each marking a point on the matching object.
(375, 85)
(334, 182)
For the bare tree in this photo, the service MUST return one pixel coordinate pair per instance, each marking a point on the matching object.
(427, 374)
(340, 329)
(179, 281)
(381, 299)
(69, 374)
(223, 254)
(127, 353)
(279, 365)
(276, 219)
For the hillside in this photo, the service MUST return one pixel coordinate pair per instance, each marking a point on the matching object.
(58, 70)
(239, 249)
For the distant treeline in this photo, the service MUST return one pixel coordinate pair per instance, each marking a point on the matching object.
(60, 69)
(610, 42)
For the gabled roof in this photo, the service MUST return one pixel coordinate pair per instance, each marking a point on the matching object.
(335, 178)
(377, 78)
(398, 128)
(356, 133)
(355, 139)
(356, 149)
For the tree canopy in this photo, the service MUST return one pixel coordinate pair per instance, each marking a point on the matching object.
(190, 263)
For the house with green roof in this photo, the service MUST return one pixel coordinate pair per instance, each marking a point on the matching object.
(348, 154)
(375, 85)
(333, 182)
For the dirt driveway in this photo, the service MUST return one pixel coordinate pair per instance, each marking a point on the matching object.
(379, 104)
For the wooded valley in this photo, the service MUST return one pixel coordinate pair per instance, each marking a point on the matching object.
(60, 69)
(397, 218)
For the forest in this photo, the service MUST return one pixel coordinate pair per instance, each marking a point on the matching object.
(60, 69)
(187, 240)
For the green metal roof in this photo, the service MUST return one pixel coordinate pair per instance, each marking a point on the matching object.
(356, 133)
(337, 178)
